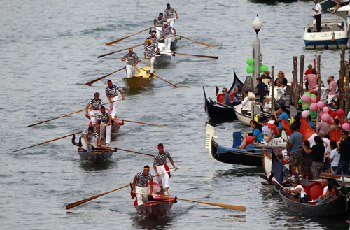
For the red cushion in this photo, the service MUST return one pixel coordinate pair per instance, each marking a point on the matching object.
(220, 98)
(314, 190)
(232, 94)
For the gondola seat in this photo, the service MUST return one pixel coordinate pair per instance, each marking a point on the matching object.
(313, 191)
(220, 97)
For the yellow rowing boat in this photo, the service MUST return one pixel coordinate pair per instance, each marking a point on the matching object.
(140, 79)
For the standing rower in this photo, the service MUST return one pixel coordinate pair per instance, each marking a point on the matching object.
(160, 167)
(94, 105)
(149, 51)
(132, 60)
(158, 22)
(168, 32)
(106, 119)
(169, 15)
(89, 136)
(140, 185)
(112, 96)
(153, 37)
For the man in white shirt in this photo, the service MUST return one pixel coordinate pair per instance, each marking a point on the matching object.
(327, 147)
(317, 10)
(244, 109)
(325, 194)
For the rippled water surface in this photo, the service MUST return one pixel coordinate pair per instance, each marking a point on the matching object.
(49, 50)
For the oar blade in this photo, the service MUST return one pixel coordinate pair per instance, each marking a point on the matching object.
(229, 206)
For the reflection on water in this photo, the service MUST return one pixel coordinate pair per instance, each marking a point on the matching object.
(87, 166)
(238, 171)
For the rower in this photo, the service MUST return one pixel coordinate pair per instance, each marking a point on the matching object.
(132, 60)
(153, 37)
(160, 167)
(87, 139)
(151, 48)
(168, 33)
(158, 22)
(169, 15)
(106, 119)
(112, 96)
(94, 105)
(140, 185)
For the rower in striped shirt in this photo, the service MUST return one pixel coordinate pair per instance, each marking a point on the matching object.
(169, 15)
(94, 105)
(87, 138)
(160, 167)
(132, 59)
(112, 96)
(140, 185)
(168, 33)
(158, 24)
(105, 131)
(153, 37)
(150, 49)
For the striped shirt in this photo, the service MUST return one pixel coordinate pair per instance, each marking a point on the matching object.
(104, 117)
(170, 13)
(112, 91)
(159, 22)
(89, 136)
(142, 180)
(153, 39)
(312, 78)
(132, 58)
(160, 158)
(168, 31)
(150, 49)
(96, 105)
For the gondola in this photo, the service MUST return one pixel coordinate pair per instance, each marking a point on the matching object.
(218, 111)
(157, 205)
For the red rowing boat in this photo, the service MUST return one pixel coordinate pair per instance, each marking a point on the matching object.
(157, 205)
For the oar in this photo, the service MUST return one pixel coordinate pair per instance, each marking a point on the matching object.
(196, 55)
(119, 51)
(126, 150)
(144, 123)
(120, 39)
(206, 44)
(166, 81)
(72, 205)
(234, 207)
(52, 140)
(97, 79)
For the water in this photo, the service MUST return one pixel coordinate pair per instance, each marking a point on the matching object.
(48, 51)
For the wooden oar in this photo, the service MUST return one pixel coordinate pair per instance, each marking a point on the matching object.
(100, 78)
(144, 123)
(126, 150)
(195, 55)
(234, 207)
(206, 44)
(120, 39)
(119, 51)
(72, 205)
(166, 81)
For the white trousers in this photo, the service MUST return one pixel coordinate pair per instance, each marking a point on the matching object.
(159, 30)
(163, 180)
(330, 98)
(167, 43)
(130, 70)
(86, 146)
(106, 130)
(113, 106)
(150, 63)
(93, 113)
(171, 22)
(141, 195)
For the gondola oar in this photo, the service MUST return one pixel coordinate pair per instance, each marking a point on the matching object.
(126, 150)
(206, 44)
(144, 123)
(120, 39)
(72, 205)
(195, 55)
(161, 78)
(100, 78)
(119, 51)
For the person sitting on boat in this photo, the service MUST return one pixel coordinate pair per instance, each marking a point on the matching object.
(151, 48)
(312, 79)
(282, 78)
(318, 10)
(280, 93)
(112, 96)
(153, 38)
(340, 3)
(227, 98)
(244, 109)
(94, 105)
(262, 90)
(274, 131)
(257, 134)
(132, 60)
(158, 22)
(325, 193)
(170, 15)
(265, 129)
(332, 87)
(87, 138)
(267, 106)
(281, 114)
(238, 94)
(140, 185)
(296, 193)
(160, 167)
(106, 119)
(168, 33)
(295, 150)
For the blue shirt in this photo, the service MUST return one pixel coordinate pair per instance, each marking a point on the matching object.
(227, 99)
(258, 135)
(296, 139)
(283, 115)
(311, 124)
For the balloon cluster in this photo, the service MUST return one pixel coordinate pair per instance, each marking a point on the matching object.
(250, 68)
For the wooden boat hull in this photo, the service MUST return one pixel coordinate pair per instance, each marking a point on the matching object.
(267, 162)
(219, 112)
(244, 119)
(141, 79)
(97, 156)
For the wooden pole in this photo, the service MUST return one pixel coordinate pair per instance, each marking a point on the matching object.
(341, 80)
(319, 76)
(347, 100)
(301, 75)
(273, 89)
(295, 81)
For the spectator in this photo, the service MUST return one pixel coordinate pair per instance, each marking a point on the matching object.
(280, 93)
(317, 151)
(322, 127)
(327, 147)
(306, 160)
(282, 78)
(297, 122)
(344, 152)
(311, 123)
(333, 157)
(262, 89)
(295, 150)
(312, 79)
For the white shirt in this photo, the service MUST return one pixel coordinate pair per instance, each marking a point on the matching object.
(265, 130)
(328, 148)
(280, 93)
(325, 190)
(318, 8)
(348, 116)
(334, 155)
(245, 103)
(311, 140)
(302, 193)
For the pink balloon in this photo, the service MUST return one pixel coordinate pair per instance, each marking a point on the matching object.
(325, 117)
(321, 113)
(331, 121)
(305, 98)
(346, 126)
(305, 113)
(313, 99)
(320, 104)
(313, 107)
(325, 109)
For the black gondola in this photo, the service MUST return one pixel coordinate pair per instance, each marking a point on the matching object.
(221, 112)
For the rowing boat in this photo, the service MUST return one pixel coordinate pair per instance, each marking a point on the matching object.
(97, 155)
(141, 79)
(157, 205)
(163, 56)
